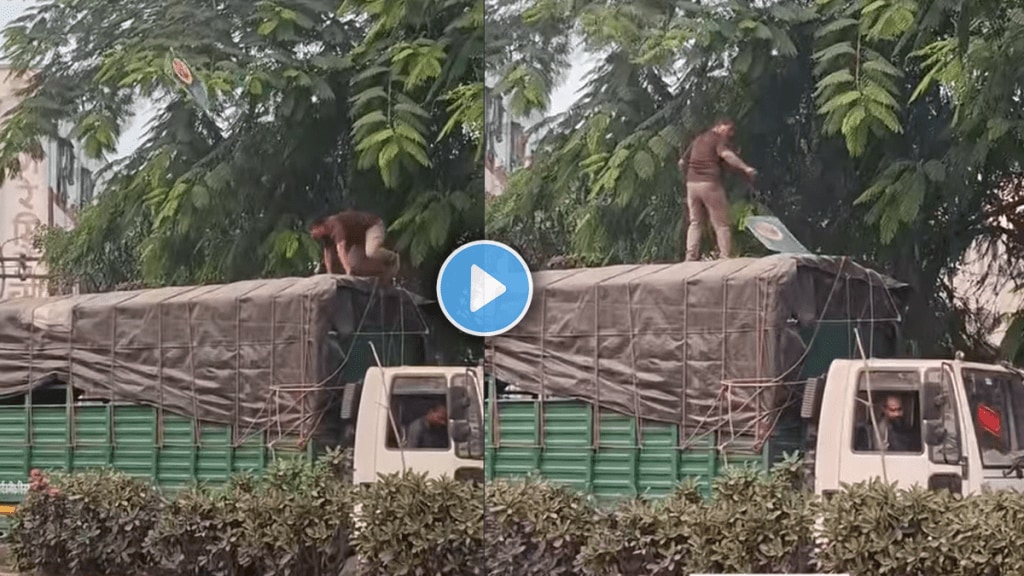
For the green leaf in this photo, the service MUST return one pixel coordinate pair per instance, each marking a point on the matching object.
(644, 165)
(744, 57)
(840, 101)
(935, 171)
(440, 224)
(913, 198)
(200, 196)
(882, 66)
(414, 150)
(884, 115)
(834, 51)
(267, 28)
(407, 132)
(836, 26)
(873, 6)
(381, 136)
(1013, 341)
(854, 118)
(371, 118)
(255, 86)
(878, 94)
(841, 76)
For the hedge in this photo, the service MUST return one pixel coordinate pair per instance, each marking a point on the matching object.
(755, 523)
(293, 520)
(297, 519)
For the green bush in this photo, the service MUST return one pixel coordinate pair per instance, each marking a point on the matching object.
(198, 534)
(296, 522)
(872, 528)
(409, 524)
(293, 520)
(643, 537)
(757, 523)
(536, 528)
(299, 519)
(85, 525)
(754, 523)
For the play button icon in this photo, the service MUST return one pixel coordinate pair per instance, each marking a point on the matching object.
(484, 288)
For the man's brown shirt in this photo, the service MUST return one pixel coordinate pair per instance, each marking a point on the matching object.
(351, 226)
(705, 157)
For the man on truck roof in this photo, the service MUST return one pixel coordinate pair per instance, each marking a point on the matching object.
(354, 239)
(701, 165)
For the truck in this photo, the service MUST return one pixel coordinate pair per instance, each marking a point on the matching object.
(190, 385)
(624, 381)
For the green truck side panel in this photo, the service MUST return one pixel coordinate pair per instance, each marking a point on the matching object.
(124, 437)
(127, 437)
(632, 458)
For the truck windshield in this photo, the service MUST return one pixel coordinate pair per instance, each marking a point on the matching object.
(996, 401)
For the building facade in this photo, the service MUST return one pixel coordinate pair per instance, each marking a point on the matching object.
(48, 192)
(983, 290)
(508, 140)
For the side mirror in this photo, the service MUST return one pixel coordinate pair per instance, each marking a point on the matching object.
(459, 430)
(934, 400)
(458, 403)
(934, 432)
(810, 407)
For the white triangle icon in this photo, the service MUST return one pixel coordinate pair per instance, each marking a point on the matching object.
(483, 288)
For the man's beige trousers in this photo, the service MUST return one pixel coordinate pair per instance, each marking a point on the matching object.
(707, 201)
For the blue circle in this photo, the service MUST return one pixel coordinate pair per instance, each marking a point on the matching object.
(496, 265)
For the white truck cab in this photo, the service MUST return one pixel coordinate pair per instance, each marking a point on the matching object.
(934, 423)
(393, 398)
(386, 405)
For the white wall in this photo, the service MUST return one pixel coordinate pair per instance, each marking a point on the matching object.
(981, 290)
(499, 125)
(502, 131)
(24, 206)
(31, 200)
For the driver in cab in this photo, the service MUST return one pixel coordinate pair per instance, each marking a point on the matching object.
(896, 435)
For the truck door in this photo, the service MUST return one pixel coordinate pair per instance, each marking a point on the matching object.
(885, 431)
(994, 424)
(466, 423)
(944, 432)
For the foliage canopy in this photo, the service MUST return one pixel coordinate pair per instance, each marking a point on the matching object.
(314, 107)
(887, 130)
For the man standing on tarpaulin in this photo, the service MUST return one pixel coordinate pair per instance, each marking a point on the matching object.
(701, 165)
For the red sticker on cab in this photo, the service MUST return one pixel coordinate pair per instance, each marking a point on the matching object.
(990, 420)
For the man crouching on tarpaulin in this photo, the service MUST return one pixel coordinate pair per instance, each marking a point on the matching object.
(701, 165)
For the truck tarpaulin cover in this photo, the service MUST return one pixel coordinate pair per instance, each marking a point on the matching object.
(250, 354)
(703, 344)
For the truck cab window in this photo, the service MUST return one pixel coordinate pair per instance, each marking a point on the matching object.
(419, 412)
(996, 401)
(894, 399)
